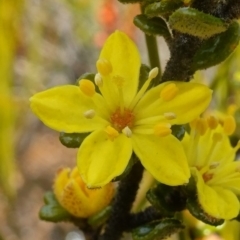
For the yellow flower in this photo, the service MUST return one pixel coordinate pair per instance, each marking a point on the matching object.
(123, 119)
(211, 159)
(72, 193)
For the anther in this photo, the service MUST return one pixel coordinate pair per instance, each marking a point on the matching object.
(169, 115)
(212, 122)
(127, 131)
(98, 80)
(162, 129)
(111, 132)
(153, 73)
(169, 92)
(89, 114)
(229, 125)
(87, 87)
(214, 165)
(104, 67)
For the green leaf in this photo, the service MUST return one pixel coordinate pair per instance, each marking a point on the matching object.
(196, 210)
(217, 49)
(157, 229)
(72, 140)
(52, 211)
(194, 206)
(100, 218)
(152, 26)
(163, 8)
(193, 22)
(167, 199)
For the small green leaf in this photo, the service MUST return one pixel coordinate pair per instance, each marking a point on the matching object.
(193, 22)
(178, 131)
(72, 140)
(49, 198)
(196, 210)
(100, 218)
(157, 230)
(152, 26)
(52, 211)
(163, 8)
(217, 49)
(167, 199)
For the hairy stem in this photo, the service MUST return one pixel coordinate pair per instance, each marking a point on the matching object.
(118, 221)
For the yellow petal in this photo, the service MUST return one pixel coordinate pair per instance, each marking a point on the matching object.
(101, 159)
(232, 184)
(188, 102)
(163, 157)
(124, 57)
(62, 109)
(216, 201)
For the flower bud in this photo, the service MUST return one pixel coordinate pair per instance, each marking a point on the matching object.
(72, 193)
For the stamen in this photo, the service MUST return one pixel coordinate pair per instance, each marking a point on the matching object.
(152, 73)
(201, 126)
(111, 132)
(229, 125)
(87, 87)
(217, 137)
(104, 67)
(89, 114)
(212, 122)
(170, 115)
(127, 131)
(169, 92)
(98, 80)
(163, 129)
(232, 108)
(193, 123)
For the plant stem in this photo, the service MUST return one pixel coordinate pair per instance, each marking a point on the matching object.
(153, 56)
(143, 217)
(118, 220)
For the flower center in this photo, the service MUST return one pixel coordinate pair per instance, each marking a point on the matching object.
(207, 176)
(120, 119)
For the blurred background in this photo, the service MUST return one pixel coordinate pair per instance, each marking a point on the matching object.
(44, 43)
